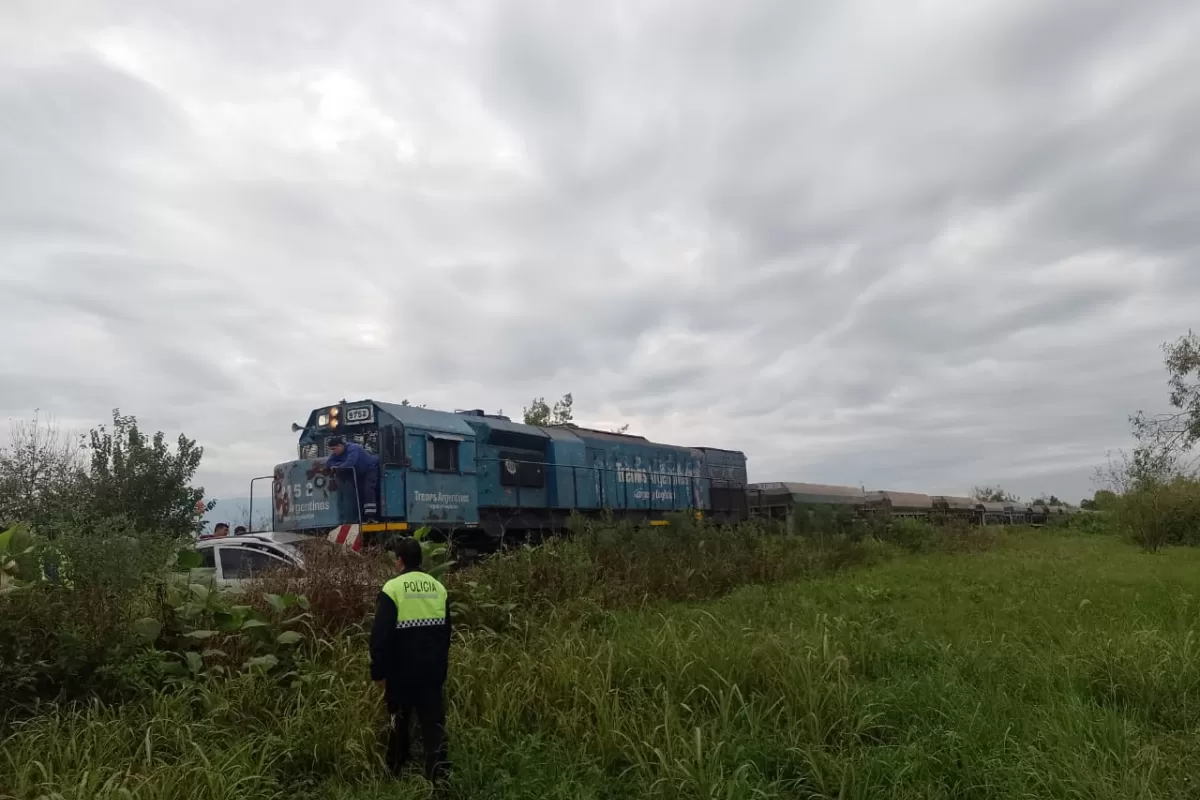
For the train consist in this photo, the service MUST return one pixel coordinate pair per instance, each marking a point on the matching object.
(783, 500)
(482, 476)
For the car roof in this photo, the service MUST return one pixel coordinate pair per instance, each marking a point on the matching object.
(250, 538)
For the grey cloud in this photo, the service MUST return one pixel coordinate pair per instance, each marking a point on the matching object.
(835, 237)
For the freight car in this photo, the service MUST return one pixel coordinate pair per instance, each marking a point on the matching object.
(946, 507)
(481, 477)
(784, 500)
(781, 500)
(900, 504)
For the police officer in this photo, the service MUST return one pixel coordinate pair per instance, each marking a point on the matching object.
(410, 654)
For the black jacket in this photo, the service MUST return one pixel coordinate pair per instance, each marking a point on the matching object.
(408, 658)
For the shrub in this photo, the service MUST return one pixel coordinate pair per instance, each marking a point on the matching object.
(83, 587)
(1155, 514)
(918, 536)
(1089, 523)
(339, 584)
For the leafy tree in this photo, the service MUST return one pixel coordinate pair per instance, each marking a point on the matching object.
(989, 494)
(541, 414)
(1178, 430)
(41, 471)
(140, 477)
(1163, 440)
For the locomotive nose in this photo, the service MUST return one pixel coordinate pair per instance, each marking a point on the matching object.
(306, 495)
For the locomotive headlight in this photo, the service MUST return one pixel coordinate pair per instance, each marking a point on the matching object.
(333, 423)
(322, 420)
(333, 412)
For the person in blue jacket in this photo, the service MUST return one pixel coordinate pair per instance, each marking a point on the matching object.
(350, 455)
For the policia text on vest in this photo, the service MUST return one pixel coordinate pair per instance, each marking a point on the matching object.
(410, 652)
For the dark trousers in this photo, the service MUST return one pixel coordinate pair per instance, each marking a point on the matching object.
(368, 497)
(428, 705)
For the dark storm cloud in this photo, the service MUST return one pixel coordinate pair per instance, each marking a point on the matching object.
(917, 248)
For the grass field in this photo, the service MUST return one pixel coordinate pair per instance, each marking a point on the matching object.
(1053, 665)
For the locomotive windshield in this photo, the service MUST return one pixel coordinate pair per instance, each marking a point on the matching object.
(354, 423)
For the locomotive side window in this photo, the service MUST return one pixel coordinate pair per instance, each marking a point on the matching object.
(443, 454)
(522, 469)
(391, 445)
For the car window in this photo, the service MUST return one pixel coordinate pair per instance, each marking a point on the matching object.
(240, 563)
(207, 559)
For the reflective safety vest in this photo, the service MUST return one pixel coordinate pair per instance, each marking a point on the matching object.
(420, 600)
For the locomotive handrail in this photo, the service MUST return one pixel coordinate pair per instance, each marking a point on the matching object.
(357, 499)
(252, 481)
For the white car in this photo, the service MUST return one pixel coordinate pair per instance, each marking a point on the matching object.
(237, 559)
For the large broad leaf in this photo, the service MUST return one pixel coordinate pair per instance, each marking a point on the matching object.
(227, 622)
(289, 637)
(262, 662)
(189, 559)
(15, 541)
(194, 661)
(200, 634)
(147, 629)
(174, 668)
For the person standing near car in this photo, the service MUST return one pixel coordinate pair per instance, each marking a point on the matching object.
(219, 531)
(410, 656)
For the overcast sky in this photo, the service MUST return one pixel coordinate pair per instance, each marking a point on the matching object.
(916, 246)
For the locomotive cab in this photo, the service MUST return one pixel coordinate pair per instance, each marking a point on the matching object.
(426, 470)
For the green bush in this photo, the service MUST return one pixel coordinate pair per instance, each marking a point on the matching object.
(1092, 523)
(71, 619)
(110, 613)
(1159, 513)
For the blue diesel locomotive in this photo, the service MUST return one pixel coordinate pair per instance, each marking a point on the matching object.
(480, 477)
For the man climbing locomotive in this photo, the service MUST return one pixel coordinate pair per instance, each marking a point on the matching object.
(352, 456)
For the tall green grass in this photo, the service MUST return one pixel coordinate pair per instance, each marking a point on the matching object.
(1052, 665)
